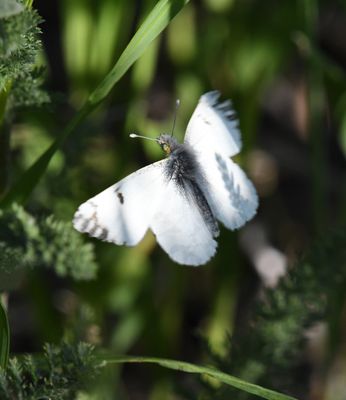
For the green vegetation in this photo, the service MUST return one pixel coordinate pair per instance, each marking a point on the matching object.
(231, 329)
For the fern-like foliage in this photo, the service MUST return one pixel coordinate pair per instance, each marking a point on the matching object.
(56, 375)
(46, 243)
(19, 46)
(9, 8)
(269, 349)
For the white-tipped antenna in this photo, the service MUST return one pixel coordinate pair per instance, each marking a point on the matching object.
(134, 135)
(177, 103)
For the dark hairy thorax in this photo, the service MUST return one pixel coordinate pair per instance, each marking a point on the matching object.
(183, 168)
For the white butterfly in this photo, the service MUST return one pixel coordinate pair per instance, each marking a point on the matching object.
(181, 197)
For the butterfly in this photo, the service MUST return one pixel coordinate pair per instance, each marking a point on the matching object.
(182, 197)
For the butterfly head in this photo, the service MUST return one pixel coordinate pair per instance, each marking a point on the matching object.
(168, 143)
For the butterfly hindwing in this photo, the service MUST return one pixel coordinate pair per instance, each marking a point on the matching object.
(121, 214)
(180, 228)
(214, 136)
(230, 194)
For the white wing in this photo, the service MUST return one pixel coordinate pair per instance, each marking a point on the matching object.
(214, 136)
(145, 199)
(230, 194)
(181, 230)
(213, 126)
(121, 214)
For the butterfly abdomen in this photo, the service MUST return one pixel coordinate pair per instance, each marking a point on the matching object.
(182, 167)
(204, 208)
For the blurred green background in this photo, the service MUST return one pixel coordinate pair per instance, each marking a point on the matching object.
(283, 65)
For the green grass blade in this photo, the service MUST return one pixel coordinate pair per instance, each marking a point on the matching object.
(4, 337)
(22, 189)
(214, 373)
(152, 26)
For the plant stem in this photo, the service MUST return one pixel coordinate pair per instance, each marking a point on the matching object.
(4, 332)
(28, 3)
(4, 139)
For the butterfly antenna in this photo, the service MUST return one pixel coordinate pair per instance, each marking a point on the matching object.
(177, 103)
(134, 135)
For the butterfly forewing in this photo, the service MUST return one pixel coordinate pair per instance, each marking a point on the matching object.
(213, 126)
(121, 214)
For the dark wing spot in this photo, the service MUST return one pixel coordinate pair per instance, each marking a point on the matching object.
(120, 197)
(104, 234)
(84, 225)
(93, 230)
(203, 119)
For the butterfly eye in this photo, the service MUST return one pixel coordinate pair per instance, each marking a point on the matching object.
(166, 148)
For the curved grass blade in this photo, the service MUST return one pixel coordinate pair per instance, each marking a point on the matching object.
(4, 337)
(153, 25)
(214, 373)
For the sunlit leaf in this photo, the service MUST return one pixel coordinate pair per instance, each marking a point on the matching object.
(211, 372)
